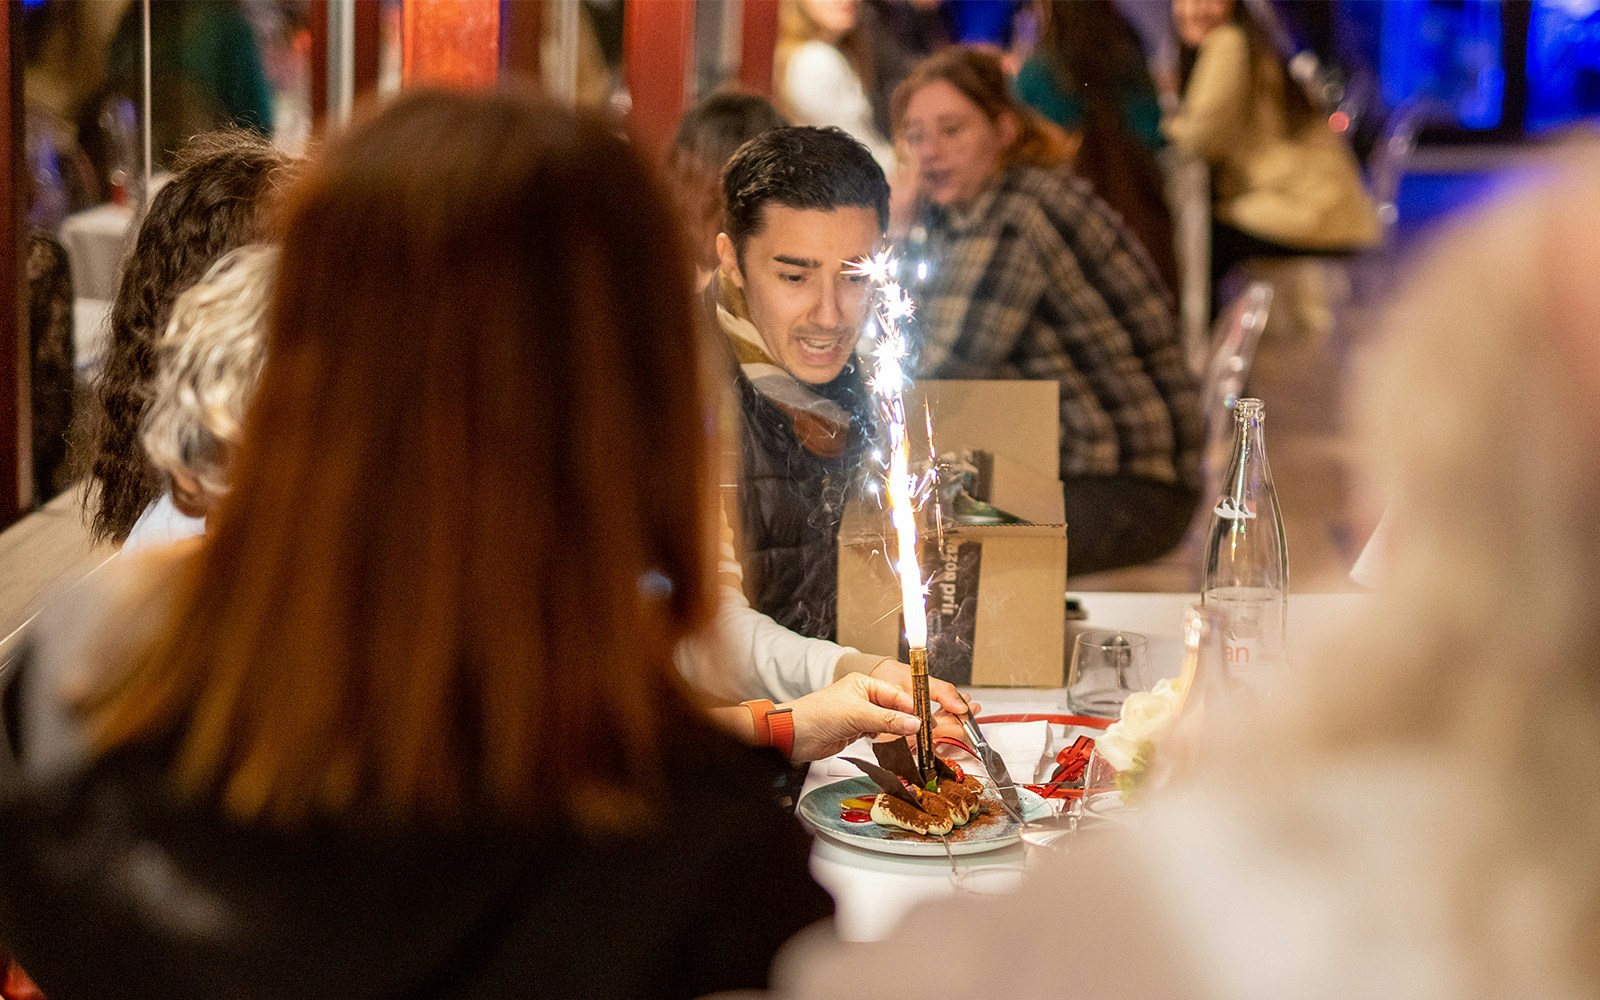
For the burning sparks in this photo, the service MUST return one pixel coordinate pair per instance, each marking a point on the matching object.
(878, 269)
(891, 307)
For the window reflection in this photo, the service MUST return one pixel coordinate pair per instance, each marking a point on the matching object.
(213, 63)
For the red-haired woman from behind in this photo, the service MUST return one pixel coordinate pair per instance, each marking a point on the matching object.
(405, 723)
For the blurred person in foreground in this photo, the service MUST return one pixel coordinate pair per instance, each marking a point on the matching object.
(222, 195)
(1416, 817)
(207, 364)
(1031, 276)
(380, 733)
(759, 657)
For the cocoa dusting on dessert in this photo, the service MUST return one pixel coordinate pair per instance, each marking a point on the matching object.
(967, 795)
(993, 817)
(934, 817)
(906, 806)
(981, 827)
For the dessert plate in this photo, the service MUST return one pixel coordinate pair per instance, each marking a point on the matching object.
(819, 809)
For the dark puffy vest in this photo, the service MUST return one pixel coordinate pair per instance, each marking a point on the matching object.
(790, 504)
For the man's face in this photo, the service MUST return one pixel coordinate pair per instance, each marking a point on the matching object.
(806, 307)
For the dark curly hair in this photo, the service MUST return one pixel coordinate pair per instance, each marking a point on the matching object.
(221, 196)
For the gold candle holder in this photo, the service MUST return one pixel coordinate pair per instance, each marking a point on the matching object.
(919, 700)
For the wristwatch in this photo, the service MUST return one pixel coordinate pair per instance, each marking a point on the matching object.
(774, 725)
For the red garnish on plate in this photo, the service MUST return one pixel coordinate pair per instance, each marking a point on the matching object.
(855, 815)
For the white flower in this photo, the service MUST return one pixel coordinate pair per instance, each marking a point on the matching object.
(1145, 716)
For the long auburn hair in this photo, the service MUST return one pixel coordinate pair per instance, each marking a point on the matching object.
(470, 516)
(221, 196)
(978, 75)
(1096, 55)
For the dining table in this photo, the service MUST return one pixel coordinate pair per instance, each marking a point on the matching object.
(874, 890)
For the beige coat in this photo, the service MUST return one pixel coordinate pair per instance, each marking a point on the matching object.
(1301, 189)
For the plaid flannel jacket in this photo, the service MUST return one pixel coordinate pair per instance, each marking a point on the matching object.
(1040, 279)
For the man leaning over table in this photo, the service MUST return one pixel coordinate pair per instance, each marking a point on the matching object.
(802, 205)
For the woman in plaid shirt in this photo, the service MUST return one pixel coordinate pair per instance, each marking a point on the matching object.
(1026, 274)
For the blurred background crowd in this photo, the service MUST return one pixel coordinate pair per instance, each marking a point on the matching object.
(409, 399)
(1303, 143)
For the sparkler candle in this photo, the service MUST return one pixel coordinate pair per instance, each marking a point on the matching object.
(891, 307)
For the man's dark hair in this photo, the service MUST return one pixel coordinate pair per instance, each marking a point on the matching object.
(800, 167)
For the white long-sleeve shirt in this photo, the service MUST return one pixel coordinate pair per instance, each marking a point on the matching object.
(751, 656)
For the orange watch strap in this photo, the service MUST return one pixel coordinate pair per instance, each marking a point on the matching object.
(774, 726)
(780, 730)
(760, 708)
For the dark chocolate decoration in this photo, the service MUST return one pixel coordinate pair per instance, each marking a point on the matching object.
(896, 756)
(886, 780)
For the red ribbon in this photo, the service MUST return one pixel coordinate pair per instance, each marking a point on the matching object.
(1087, 721)
(1070, 761)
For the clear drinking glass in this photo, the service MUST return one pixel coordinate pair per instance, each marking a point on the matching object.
(1107, 666)
(1101, 797)
(1050, 835)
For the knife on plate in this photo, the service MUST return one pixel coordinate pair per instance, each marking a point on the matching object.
(995, 766)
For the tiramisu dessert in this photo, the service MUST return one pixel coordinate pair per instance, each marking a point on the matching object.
(907, 803)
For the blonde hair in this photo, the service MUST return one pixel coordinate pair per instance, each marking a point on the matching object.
(1479, 431)
(207, 364)
(1474, 675)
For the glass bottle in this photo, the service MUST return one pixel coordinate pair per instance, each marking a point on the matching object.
(1246, 578)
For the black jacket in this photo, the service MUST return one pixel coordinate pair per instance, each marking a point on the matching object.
(791, 501)
(111, 887)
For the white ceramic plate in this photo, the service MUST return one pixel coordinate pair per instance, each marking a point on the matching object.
(819, 809)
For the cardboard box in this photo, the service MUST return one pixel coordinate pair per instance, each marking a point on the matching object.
(997, 592)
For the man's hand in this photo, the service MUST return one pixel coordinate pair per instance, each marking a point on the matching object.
(943, 694)
(856, 705)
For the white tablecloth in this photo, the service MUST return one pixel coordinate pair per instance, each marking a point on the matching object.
(874, 891)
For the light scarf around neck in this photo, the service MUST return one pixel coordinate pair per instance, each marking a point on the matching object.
(820, 424)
